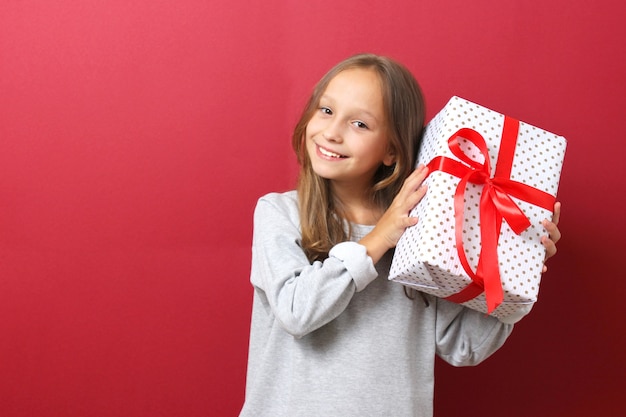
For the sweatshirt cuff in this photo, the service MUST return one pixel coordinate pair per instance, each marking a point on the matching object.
(357, 262)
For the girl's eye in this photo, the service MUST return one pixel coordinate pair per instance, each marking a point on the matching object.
(360, 124)
(326, 110)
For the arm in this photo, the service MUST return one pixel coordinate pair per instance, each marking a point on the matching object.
(465, 337)
(302, 296)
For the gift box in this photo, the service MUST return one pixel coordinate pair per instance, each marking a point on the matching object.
(492, 180)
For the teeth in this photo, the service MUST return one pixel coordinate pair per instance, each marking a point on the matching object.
(329, 153)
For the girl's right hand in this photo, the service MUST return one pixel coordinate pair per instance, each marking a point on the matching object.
(396, 219)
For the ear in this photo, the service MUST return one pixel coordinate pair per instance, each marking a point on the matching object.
(390, 158)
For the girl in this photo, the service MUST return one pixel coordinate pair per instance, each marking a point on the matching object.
(330, 335)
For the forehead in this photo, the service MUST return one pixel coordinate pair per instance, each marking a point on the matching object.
(359, 86)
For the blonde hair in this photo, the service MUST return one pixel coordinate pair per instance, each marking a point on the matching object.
(322, 221)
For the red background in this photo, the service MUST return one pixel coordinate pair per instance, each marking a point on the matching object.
(136, 136)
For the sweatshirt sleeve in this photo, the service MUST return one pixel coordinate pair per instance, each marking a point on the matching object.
(465, 337)
(302, 296)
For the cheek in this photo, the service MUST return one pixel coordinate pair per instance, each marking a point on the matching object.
(315, 125)
(311, 127)
(310, 133)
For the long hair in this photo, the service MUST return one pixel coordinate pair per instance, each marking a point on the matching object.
(322, 222)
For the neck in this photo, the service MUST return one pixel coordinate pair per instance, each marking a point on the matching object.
(356, 204)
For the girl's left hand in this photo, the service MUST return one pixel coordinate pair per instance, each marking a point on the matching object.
(554, 234)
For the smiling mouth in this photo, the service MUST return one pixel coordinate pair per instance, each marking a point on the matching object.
(330, 154)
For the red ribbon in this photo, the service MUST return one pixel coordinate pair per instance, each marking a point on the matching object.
(495, 204)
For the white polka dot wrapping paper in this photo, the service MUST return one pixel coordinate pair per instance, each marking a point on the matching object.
(478, 239)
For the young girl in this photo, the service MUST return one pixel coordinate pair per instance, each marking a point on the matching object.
(330, 335)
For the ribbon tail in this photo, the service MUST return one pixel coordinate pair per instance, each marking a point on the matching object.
(459, 203)
(489, 268)
(507, 208)
(470, 292)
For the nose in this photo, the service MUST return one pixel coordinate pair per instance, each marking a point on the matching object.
(332, 131)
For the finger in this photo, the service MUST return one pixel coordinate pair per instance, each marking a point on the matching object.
(550, 251)
(411, 185)
(556, 216)
(416, 197)
(409, 221)
(416, 178)
(553, 230)
(550, 246)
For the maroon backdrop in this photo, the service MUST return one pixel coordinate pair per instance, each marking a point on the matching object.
(136, 136)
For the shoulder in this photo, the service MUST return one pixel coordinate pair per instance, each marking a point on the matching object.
(287, 198)
(277, 205)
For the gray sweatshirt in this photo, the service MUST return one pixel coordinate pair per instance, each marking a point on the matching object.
(337, 338)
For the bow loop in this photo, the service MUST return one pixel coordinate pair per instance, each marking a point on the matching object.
(472, 136)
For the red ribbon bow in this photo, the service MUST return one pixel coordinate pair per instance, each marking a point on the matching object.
(495, 204)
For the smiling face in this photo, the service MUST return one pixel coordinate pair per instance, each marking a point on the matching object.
(346, 139)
